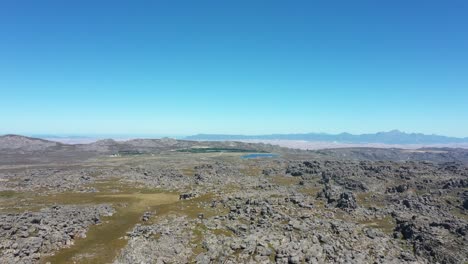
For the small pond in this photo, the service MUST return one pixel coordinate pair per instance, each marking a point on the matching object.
(259, 155)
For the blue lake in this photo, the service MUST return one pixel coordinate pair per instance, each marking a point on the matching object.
(259, 155)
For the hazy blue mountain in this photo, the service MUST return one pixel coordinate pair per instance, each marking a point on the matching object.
(390, 137)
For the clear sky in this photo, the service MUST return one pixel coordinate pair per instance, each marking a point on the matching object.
(237, 67)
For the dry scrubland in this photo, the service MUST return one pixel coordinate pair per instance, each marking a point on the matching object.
(161, 201)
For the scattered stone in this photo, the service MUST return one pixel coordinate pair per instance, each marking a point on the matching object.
(27, 236)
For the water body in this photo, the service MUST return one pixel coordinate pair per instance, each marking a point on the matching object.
(259, 155)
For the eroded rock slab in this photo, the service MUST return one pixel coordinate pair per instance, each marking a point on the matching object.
(26, 237)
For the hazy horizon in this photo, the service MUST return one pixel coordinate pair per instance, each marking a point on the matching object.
(304, 144)
(181, 136)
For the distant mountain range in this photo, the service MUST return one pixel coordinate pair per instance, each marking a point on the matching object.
(390, 137)
(16, 149)
(17, 144)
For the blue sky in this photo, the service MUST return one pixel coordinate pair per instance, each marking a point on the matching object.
(238, 67)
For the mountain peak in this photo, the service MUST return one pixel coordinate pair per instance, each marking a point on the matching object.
(391, 132)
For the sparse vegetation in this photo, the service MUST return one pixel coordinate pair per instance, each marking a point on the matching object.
(184, 206)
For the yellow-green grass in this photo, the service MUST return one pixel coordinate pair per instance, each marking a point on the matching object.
(311, 191)
(103, 242)
(285, 180)
(386, 224)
